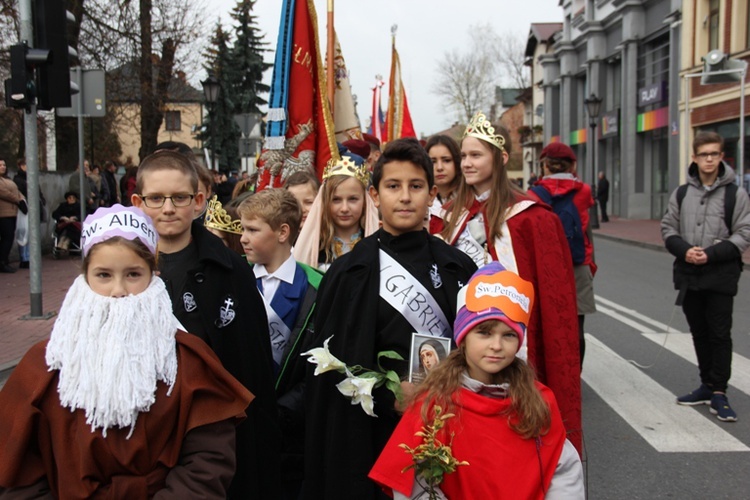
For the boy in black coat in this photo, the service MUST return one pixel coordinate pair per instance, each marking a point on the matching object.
(214, 298)
(367, 302)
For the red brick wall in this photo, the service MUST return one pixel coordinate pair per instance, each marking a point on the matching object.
(718, 112)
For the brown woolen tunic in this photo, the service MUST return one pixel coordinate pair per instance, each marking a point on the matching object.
(40, 439)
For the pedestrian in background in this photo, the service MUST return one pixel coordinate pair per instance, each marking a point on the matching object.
(560, 186)
(445, 154)
(602, 195)
(108, 177)
(20, 180)
(707, 228)
(10, 197)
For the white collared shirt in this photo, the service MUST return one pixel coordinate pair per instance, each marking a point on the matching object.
(271, 281)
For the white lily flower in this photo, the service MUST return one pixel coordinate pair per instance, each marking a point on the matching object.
(359, 389)
(324, 360)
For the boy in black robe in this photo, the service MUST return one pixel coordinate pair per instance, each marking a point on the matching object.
(342, 442)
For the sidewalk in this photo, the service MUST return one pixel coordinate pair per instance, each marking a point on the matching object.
(18, 335)
(644, 233)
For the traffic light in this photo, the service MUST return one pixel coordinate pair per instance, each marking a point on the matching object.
(20, 89)
(50, 20)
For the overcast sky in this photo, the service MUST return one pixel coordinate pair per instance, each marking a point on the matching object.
(427, 29)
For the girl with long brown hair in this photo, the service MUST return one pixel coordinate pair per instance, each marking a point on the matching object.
(504, 420)
(491, 220)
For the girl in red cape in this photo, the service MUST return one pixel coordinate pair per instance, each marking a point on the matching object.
(119, 403)
(506, 426)
(491, 220)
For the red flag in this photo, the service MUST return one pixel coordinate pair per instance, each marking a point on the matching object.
(308, 140)
(398, 121)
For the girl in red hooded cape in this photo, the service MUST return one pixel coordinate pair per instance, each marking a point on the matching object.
(506, 428)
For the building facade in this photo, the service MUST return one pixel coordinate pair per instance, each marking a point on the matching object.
(540, 43)
(626, 53)
(713, 102)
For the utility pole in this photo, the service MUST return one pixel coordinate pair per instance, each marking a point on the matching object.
(32, 168)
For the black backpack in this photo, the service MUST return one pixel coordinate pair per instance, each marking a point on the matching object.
(730, 200)
(566, 210)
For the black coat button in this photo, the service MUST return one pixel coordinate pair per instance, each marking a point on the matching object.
(200, 277)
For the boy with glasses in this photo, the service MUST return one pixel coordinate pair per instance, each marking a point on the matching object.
(213, 298)
(707, 228)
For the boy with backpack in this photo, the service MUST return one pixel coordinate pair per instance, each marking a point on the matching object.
(571, 199)
(707, 228)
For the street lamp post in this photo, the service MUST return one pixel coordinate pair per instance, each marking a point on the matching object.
(211, 89)
(593, 106)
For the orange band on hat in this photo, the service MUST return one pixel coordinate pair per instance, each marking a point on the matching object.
(505, 291)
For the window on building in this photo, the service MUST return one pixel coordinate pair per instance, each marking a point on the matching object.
(653, 64)
(172, 121)
(713, 25)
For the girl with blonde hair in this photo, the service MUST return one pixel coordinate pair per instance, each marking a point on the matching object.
(341, 215)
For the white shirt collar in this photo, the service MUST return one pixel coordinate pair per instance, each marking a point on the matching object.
(285, 272)
(484, 196)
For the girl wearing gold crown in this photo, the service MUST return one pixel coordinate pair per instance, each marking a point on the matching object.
(224, 222)
(119, 403)
(491, 220)
(341, 215)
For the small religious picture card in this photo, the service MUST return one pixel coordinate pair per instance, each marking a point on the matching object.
(426, 353)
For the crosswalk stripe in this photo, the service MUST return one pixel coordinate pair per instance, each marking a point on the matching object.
(632, 312)
(649, 408)
(682, 345)
(677, 342)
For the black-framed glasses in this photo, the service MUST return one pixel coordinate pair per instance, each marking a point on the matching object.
(158, 201)
(714, 155)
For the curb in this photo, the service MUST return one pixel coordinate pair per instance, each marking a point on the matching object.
(643, 244)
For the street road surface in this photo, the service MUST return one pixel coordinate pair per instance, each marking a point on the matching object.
(639, 444)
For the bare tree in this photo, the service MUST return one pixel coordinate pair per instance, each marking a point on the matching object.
(467, 80)
(151, 37)
(507, 50)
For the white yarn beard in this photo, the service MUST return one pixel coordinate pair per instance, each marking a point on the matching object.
(111, 352)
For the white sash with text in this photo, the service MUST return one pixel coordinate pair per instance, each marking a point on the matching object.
(280, 333)
(411, 299)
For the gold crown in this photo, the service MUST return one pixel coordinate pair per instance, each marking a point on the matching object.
(481, 128)
(346, 166)
(218, 218)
